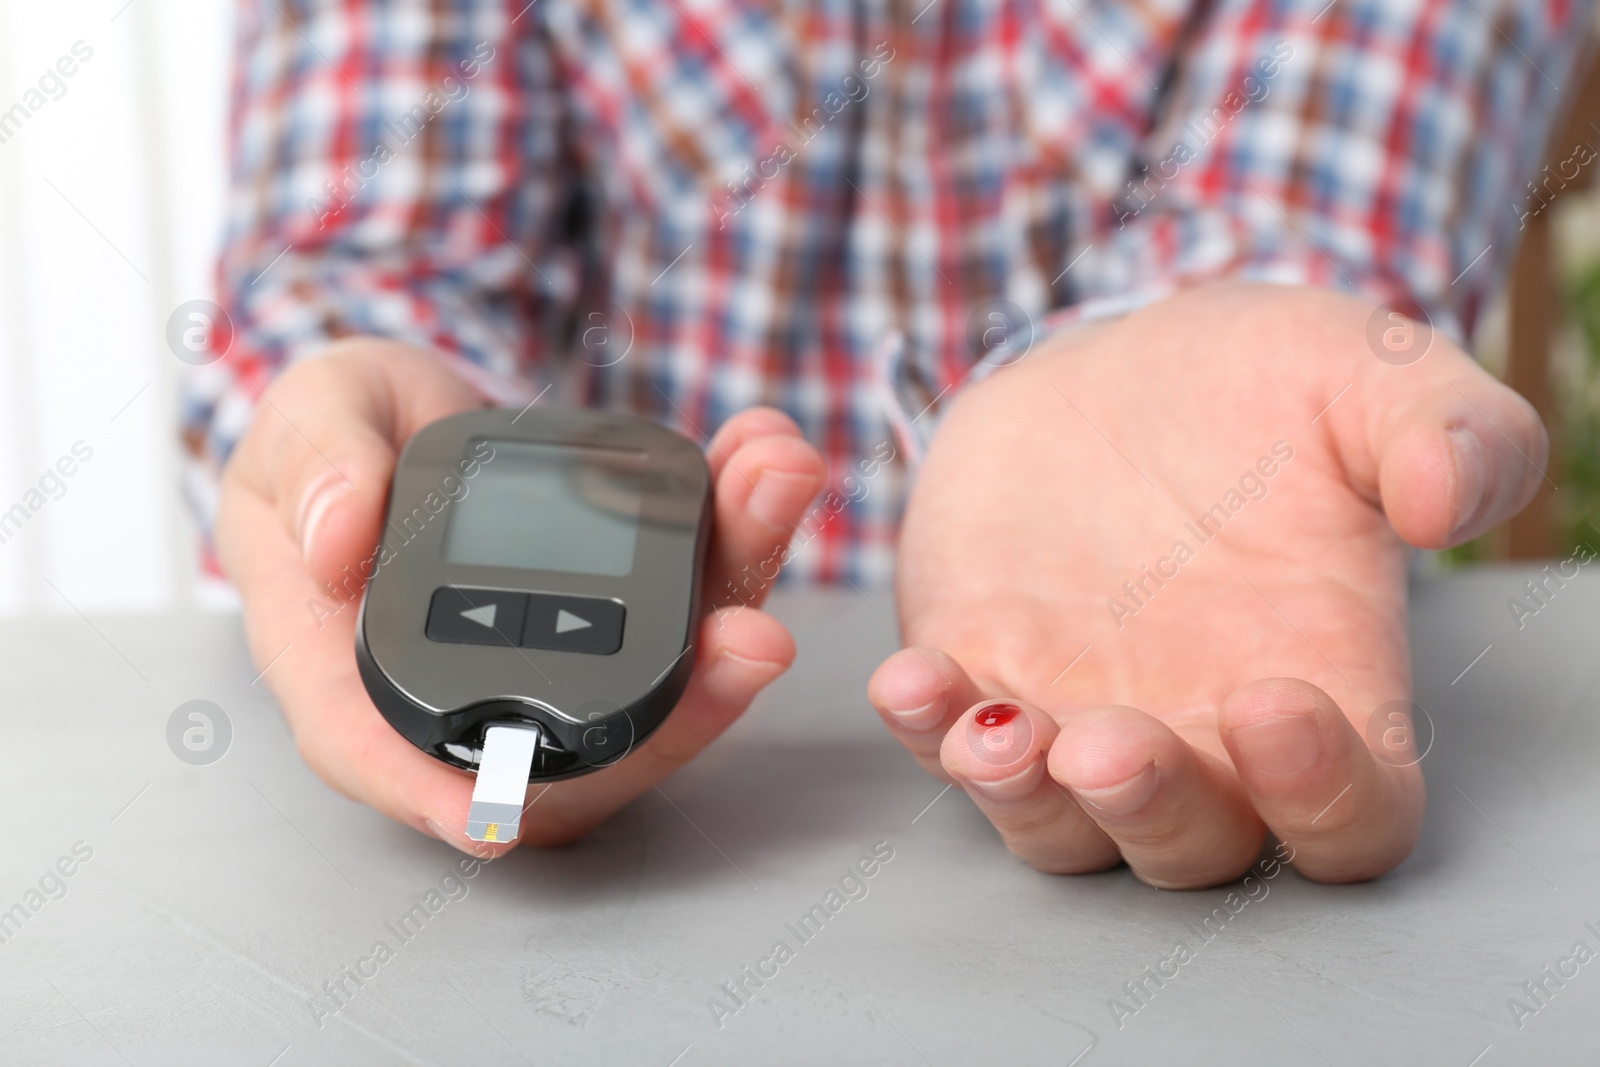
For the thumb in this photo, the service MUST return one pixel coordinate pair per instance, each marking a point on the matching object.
(324, 441)
(1457, 451)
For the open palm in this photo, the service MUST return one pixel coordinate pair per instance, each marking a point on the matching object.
(1153, 581)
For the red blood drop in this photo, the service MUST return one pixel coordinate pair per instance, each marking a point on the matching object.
(997, 715)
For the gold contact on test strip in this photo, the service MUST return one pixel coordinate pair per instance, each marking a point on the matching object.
(491, 831)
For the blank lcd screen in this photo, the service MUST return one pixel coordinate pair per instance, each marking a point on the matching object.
(549, 508)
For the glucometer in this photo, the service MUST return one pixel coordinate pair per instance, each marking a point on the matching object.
(532, 610)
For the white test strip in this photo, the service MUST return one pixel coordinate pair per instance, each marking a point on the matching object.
(496, 811)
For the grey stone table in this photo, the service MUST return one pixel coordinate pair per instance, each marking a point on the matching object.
(211, 913)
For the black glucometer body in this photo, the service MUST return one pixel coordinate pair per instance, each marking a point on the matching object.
(540, 570)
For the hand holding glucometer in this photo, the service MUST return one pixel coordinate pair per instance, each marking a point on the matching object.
(572, 597)
(544, 623)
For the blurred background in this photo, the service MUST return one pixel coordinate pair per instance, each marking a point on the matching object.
(111, 186)
(111, 192)
(1542, 335)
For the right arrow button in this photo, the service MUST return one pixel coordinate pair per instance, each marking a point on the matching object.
(567, 621)
(573, 624)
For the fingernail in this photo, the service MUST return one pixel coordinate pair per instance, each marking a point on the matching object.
(924, 718)
(1126, 797)
(1472, 477)
(1015, 787)
(315, 506)
(1280, 746)
(779, 497)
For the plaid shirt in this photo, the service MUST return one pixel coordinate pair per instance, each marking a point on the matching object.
(686, 207)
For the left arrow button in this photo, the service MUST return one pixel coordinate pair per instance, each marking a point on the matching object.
(477, 616)
(483, 616)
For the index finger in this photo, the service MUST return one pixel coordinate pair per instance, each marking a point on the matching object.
(321, 446)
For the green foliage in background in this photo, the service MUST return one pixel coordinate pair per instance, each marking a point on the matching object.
(1478, 551)
(1578, 394)
(1575, 464)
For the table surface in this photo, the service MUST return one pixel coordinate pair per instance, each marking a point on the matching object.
(216, 901)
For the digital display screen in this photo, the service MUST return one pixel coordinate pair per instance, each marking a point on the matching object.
(548, 507)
